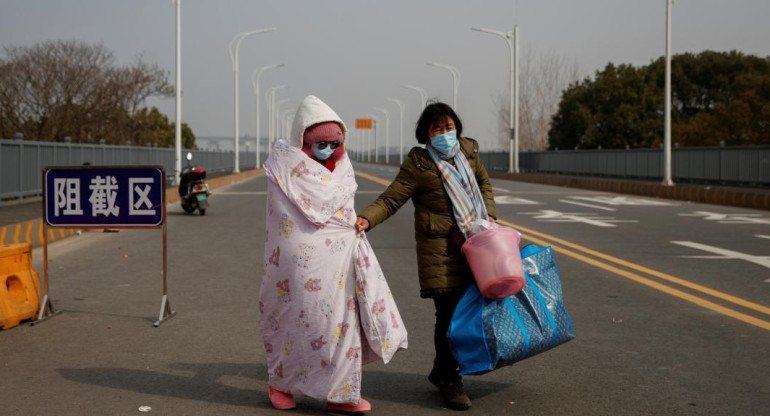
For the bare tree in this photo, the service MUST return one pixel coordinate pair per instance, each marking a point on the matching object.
(68, 88)
(141, 81)
(542, 78)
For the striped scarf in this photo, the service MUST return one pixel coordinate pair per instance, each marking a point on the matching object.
(461, 186)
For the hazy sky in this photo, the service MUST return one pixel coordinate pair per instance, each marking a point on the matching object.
(353, 54)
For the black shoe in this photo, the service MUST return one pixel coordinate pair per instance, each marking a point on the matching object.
(452, 391)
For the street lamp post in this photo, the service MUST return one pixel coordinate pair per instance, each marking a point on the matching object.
(512, 39)
(350, 143)
(419, 91)
(667, 110)
(255, 82)
(277, 121)
(359, 145)
(355, 143)
(387, 133)
(271, 115)
(235, 44)
(178, 91)
(455, 79)
(285, 117)
(401, 128)
(374, 136)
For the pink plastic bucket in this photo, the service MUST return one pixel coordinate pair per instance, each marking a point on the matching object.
(495, 262)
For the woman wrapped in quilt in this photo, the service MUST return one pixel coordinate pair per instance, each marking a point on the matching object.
(452, 196)
(325, 306)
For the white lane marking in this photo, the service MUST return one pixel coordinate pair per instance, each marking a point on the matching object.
(722, 253)
(540, 192)
(762, 236)
(623, 200)
(501, 190)
(512, 200)
(265, 193)
(728, 218)
(556, 216)
(586, 205)
(384, 168)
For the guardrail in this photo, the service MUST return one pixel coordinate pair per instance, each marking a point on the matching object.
(740, 165)
(22, 161)
(736, 165)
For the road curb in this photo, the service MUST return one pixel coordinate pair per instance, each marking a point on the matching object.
(31, 231)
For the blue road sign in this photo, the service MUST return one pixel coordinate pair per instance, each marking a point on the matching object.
(125, 197)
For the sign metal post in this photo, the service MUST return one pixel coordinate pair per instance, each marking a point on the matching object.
(99, 197)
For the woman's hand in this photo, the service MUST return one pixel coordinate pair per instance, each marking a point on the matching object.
(492, 220)
(362, 224)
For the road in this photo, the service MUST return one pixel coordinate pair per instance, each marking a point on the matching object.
(670, 303)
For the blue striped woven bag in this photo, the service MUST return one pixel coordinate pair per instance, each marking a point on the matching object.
(488, 334)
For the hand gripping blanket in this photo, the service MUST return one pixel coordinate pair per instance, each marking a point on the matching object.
(325, 306)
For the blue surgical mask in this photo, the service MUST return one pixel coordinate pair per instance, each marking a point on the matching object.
(444, 143)
(321, 154)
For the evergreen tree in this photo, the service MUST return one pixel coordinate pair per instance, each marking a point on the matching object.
(715, 97)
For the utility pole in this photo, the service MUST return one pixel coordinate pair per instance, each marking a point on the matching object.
(667, 110)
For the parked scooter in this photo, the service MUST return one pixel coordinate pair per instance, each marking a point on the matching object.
(193, 191)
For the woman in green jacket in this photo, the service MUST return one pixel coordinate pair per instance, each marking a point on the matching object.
(451, 193)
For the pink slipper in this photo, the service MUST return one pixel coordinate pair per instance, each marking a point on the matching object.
(281, 400)
(363, 406)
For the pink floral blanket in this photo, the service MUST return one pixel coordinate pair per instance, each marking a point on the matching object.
(325, 306)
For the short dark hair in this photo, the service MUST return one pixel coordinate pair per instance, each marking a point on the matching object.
(432, 114)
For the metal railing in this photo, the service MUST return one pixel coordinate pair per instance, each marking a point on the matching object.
(22, 161)
(740, 165)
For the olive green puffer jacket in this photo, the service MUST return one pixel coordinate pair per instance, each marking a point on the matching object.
(441, 267)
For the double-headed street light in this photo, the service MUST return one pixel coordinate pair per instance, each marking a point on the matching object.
(455, 79)
(235, 43)
(419, 91)
(255, 82)
(512, 39)
(401, 129)
(387, 133)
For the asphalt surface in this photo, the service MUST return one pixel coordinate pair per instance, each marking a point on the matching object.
(663, 328)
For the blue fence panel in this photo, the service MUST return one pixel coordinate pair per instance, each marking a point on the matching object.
(730, 167)
(30, 178)
(764, 166)
(748, 165)
(61, 155)
(636, 165)
(10, 174)
(21, 162)
(615, 163)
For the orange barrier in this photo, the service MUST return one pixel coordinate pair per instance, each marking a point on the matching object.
(19, 285)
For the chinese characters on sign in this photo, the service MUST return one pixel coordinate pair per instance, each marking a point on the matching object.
(93, 197)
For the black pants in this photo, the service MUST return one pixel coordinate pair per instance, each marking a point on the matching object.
(445, 363)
